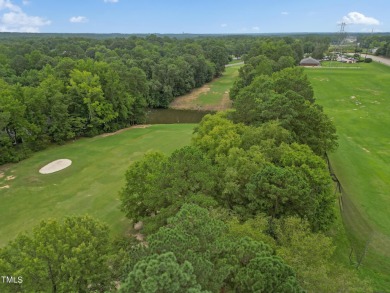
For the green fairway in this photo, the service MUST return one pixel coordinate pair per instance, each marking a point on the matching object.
(213, 96)
(90, 185)
(358, 101)
(219, 89)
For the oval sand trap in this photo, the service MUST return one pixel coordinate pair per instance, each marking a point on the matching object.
(55, 166)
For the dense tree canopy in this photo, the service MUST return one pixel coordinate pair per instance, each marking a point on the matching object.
(55, 89)
(158, 185)
(161, 273)
(310, 254)
(287, 97)
(194, 242)
(72, 256)
(262, 170)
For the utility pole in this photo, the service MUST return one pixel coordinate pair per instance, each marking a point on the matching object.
(365, 57)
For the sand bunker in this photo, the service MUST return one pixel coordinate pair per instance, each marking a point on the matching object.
(55, 166)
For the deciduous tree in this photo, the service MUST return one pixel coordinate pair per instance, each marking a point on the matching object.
(72, 256)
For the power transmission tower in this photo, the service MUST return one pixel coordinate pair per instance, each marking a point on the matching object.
(342, 37)
(338, 48)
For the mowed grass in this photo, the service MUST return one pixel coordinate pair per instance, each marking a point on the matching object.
(219, 89)
(358, 101)
(89, 186)
(340, 64)
(212, 96)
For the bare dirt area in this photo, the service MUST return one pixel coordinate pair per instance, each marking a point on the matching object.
(186, 102)
(124, 129)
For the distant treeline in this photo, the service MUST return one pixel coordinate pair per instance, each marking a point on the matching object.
(379, 42)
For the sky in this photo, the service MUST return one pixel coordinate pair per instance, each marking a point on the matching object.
(193, 16)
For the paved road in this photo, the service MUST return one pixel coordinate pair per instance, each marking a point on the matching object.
(383, 60)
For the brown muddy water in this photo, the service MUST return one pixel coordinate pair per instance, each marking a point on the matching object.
(171, 116)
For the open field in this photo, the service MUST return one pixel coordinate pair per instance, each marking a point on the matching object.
(213, 96)
(359, 103)
(90, 185)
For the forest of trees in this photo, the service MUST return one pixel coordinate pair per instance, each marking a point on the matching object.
(246, 207)
(56, 89)
(380, 42)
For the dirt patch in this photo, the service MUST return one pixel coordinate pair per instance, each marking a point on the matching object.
(33, 180)
(371, 91)
(141, 126)
(4, 187)
(124, 129)
(140, 237)
(138, 226)
(1, 175)
(11, 177)
(322, 79)
(186, 101)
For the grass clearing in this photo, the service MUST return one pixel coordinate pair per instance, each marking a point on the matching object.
(235, 61)
(90, 185)
(358, 103)
(219, 89)
(213, 96)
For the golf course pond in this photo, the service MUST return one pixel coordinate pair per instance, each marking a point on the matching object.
(172, 116)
